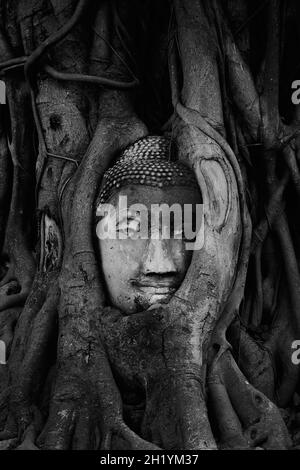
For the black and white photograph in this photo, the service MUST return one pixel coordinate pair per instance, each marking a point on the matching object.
(149, 229)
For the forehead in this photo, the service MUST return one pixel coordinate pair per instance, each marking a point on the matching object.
(147, 195)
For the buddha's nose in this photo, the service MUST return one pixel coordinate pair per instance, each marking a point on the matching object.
(158, 259)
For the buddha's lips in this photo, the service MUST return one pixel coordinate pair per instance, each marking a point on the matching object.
(157, 287)
(158, 290)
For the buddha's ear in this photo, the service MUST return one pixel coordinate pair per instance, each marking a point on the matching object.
(215, 176)
(218, 189)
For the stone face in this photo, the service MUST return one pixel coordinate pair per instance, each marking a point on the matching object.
(146, 261)
(145, 258)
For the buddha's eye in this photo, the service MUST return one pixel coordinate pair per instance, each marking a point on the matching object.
(183, 233)
(129, 227)
(189, 232)
(178, 232)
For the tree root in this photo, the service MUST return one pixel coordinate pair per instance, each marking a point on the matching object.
(134, 441)
(175, 415)
(55, 37)
(18, 246)
(14, 300)
(31, 432)
(193, 118)
(28, 439)
(5, 177)
(101, 81)
(254, 360)
(8, 321)
(30, 353)
(8, 444)
(73, 422)
(250, 419)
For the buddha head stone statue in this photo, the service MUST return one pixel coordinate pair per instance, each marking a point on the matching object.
(147, 213)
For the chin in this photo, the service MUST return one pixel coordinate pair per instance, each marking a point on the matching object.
(143, 303)
(160, 299)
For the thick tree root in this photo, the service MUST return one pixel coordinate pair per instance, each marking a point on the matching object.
(247, 418)
(30, 357)
(175, 414)
(18, 246)
(132, 440)
(74, 424)
(5, 178)
(8, 321)
(28, 440)
(8, 444)
(254, 360)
